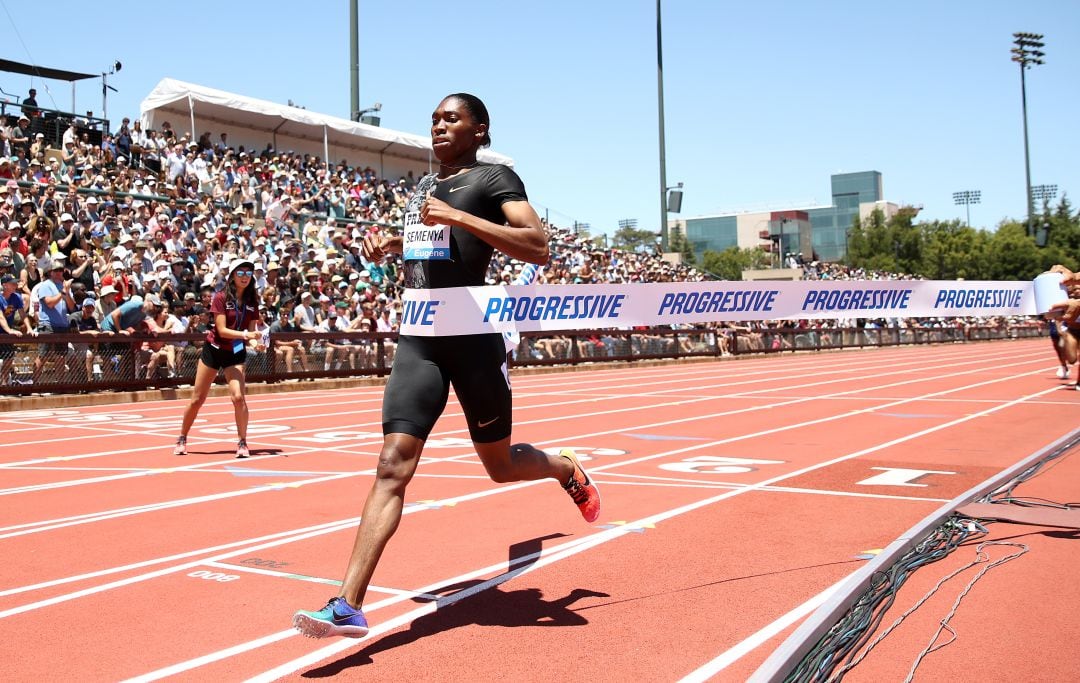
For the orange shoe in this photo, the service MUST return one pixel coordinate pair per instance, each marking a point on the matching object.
(582, 489)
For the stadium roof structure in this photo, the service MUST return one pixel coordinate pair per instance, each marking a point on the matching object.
(290, 127)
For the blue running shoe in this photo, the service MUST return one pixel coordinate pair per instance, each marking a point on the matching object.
(338, 618)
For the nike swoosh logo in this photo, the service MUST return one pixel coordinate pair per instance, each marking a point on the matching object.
(481, 425)
(460, 187)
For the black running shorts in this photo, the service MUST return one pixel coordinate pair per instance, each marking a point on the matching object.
(219, 359)
(426, 367)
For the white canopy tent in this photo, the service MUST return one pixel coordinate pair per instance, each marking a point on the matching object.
(256, 123)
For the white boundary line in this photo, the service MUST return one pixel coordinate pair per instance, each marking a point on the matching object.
(265, 438)
(44, 526)
(116, 427)
(611, 534)
(855, 455)
(588, 542)
(744, 367)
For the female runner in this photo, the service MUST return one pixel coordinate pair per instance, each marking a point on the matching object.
(235, 313)
(481, 207)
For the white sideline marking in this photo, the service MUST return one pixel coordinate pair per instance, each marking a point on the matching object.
(740, 650)
(747, 367)
(314, 579)
(118, 427)
(199, 499)
(596, 539)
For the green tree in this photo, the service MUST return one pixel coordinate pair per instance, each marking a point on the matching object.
(948, 250)
(677, 242)
(730, 263)
(1013, 254)
(907, 239)
(858, 246)
(632, 239)
(1063, 231)
(880, 244)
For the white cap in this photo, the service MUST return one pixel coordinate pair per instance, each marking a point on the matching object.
(240, 262)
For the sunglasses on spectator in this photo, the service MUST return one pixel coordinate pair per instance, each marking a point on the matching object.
(245, 273)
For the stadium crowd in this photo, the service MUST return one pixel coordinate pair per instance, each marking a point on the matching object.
(150, 220)
(136, 234)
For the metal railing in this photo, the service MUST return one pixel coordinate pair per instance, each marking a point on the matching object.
(71, 362)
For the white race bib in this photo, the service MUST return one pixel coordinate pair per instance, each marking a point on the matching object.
(425, 242)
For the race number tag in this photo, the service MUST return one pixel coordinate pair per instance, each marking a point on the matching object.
(425, 242)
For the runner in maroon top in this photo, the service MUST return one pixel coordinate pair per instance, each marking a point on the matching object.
(235, 312)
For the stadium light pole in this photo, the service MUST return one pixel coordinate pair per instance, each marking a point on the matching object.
(354, 62)
(660, 105)
(967, 198)
(1026, 53)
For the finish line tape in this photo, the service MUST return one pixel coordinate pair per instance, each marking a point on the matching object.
(552, 308)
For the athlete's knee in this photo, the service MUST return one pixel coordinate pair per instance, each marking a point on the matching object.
(396, 463)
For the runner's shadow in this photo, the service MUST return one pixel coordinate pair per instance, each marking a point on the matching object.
(232, 451)
(487, 606)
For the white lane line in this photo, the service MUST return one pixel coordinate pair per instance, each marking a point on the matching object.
(172, 558)
(331, 527)
(618, 376)
(591, 541)
(741, 649)
(688, 483)
(118, 427)
(680, 450)
(52, 524)
(508, 571)
(411, 595)
(520, 423)
(842, 362)
(200, 499)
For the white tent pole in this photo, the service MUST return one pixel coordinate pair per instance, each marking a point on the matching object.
(191, 111)
(325, 146)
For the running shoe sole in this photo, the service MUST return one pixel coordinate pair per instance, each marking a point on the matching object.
(317, 628)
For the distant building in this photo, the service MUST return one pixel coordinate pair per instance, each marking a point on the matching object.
(817, 232)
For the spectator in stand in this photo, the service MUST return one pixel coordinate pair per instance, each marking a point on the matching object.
(127, 319)
(20, 137)
(154, 352)
(54, 298)
(13, 322)
(30, 105)
(84, 321)
(286, 351)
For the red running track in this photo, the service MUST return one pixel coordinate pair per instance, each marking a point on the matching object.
(736, 495)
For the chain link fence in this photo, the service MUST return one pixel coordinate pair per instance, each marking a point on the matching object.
(84, 363)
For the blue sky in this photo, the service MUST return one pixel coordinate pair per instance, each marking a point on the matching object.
(763, 101)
